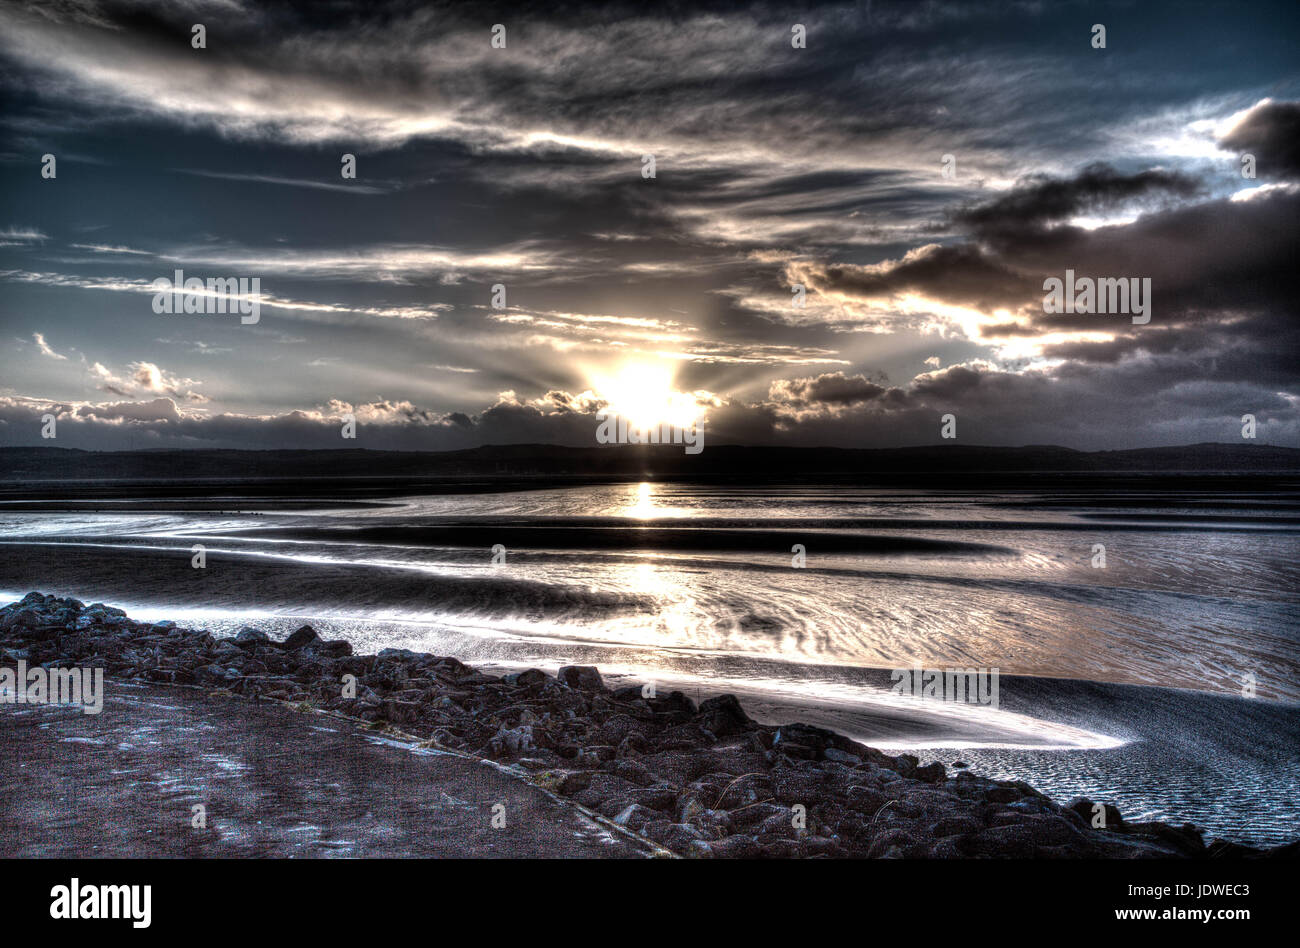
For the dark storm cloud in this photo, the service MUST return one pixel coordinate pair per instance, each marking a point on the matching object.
(1224, 262)
(1223, 337)
(1041, 200)
(1011, 246)
(828, 389)
(959, 273)
(1270, 131)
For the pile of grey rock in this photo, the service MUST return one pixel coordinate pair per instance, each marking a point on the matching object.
(700, 780)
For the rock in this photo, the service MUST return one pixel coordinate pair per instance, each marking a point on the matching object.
(595, 754)
(574, 782)
(683, 736)
(397, 711)
(248, 636)
(754, 814)
(338, 648)
(794, 786)
(867, 800)
(931, 773)
(656, 765)
(1003, 841)
(1225, 849)
(774, 847)
(796, 751)
(633, 772)
(301, 638)
(1088, 811)
(1035, 805)
(840, 757)
(532, 678)
(724, 716)
(1186, 840)
(689, 809)
(659, 797)
(953, 826)
(676, 836)
(735, 847)
(803, 734)
(947, 848)
(632, 745)
(674, 707)
(617, 727)
(215, 674)
(894, 842)
(778, 824)
(905, 764)
(512, 740)
(581, 678)
(823, 846)
(635, 816)
(1003, 795)
(699, 849)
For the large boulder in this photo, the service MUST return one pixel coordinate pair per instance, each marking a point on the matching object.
(581, 677)
(301, 638)
(1089, 812)
(335, 648)
(724, 716)
(532, 678)
(247, 637)
(931, 773)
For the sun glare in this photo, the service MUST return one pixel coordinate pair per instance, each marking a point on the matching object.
(643, 393)
(647, 501)
(644, 507)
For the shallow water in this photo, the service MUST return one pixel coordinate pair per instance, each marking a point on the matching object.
(697, 588)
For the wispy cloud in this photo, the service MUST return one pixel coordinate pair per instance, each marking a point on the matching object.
(352, 186)
(22, 235)
(44, 347)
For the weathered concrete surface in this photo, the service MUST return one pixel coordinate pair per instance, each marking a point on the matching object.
(273, 782)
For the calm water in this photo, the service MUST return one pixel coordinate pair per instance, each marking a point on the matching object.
(696, 588)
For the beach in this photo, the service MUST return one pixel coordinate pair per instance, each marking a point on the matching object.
(1123, 682)
(700, 780)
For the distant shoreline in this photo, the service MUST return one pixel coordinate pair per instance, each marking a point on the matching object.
(361, 473)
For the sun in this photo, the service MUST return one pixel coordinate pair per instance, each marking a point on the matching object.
(643, 393)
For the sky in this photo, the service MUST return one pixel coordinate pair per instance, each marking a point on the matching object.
(847, 234)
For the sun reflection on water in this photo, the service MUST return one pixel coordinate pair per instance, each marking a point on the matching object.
(645, 503)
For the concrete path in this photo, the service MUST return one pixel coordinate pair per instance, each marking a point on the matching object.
(273, 782)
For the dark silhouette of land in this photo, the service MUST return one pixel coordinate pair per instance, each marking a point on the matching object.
(75, 474)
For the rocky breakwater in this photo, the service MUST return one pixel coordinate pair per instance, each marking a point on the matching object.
(700, 780)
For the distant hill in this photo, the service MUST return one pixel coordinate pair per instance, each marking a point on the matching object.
(951, 464)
